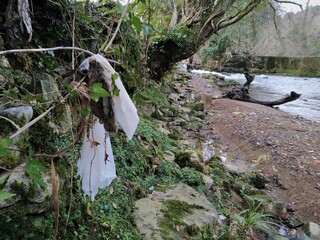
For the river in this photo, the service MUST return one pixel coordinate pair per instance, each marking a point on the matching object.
(273, 87)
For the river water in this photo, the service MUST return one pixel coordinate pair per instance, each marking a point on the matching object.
(273, 87)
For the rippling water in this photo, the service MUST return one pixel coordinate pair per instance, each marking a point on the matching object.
(272, 87)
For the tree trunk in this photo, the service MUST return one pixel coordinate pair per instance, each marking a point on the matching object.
(206, 19)
(288, 98)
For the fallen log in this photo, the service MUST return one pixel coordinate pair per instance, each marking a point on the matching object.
(242, 94)
(288, 98)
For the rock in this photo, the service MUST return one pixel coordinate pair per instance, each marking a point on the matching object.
(50, 91)
(156, 219)
(274, 208)
(180, 122)
(184, 110)
(240, 186)
(168, 156)
(49, 87)
(208, 182)
(290, 208)
(38, 198)
(162, 126)
(184, 116)
(146, 109)
(2, 80)
(312, 230)
(173, 97)
(189, 158)
(24, 113)
(255, 179)
(4, 62)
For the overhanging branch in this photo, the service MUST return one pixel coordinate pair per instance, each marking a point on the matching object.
(231, 20)
(290, 2)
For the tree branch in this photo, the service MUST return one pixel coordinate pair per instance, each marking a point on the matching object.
(52, 49)
(290, 2)
(231, 20)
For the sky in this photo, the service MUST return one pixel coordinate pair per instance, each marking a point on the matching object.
(294, 8)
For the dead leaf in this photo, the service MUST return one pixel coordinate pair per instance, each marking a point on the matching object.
(177, 228)
(111, 190)
(88, 210)
(114, 205)
(94, 143)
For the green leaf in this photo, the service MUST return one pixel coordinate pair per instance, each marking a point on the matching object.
(136, 23)
(116, 91)
(71, 91)
(85, 112)
(4, 144)
(34, 168)
(97, 92)
(114, 76)
(3, 180)
(5, 195)
(117, 52)
(12, 92)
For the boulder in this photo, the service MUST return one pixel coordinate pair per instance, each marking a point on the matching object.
(312, 230)
(23, 113)
(38, 198)
(174, 213)
(168, 156)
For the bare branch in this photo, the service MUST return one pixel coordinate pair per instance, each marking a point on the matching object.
(290, 2)
(45, 50)
(104, 47)
(12, 122)
(274, 17)
(231, 20)
(52, 49)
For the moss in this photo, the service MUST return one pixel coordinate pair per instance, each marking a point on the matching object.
(199, 106)
(41, 137)
(173, 212)
(153, 95)
(10, 160)
(245, 188)
(191, 177)
(255, 179)
(219, 174)
(183, 159)
(163, 188)
(25, 192)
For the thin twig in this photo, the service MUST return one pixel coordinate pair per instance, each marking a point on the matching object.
(45, 49)
(290, 2)
(73, 35)
(12, 122)
(117, 29)
(29, 124)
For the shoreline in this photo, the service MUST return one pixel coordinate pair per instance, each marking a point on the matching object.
(289, 143)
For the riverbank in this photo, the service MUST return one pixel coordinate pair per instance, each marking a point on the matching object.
(285, 148)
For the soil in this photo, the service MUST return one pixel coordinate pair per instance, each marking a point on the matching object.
(284, 147)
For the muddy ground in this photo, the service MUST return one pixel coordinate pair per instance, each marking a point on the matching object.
(285, 148)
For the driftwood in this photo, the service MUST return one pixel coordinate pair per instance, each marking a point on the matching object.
(242, 94)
